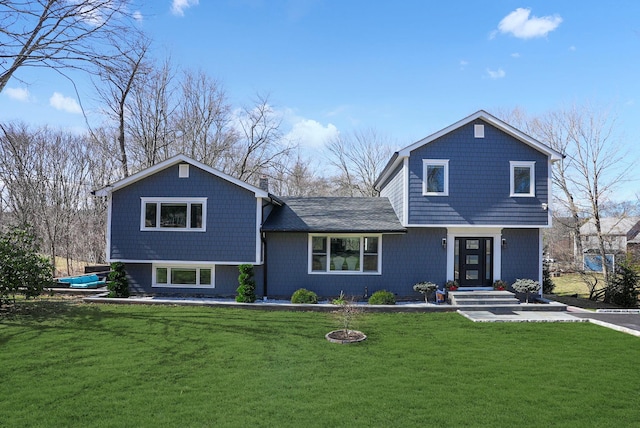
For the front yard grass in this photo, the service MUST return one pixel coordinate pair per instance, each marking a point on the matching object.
(65, 364)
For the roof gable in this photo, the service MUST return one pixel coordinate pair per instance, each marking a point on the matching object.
(553, 155)
(259, 193)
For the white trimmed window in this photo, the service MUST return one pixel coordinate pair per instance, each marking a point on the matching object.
(345, 254)
(436, 177)
(523, 179)
(185, 276)
(175, 214)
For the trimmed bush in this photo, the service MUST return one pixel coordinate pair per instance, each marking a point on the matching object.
(526, 286)
(118, 284)
(547, 282)
(382, 297)
(247, 286)
(303, 295)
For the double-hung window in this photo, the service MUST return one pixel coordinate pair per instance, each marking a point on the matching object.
(436, 177)
(522, 178)
(183, 276)
(345, 254)
(177, 214)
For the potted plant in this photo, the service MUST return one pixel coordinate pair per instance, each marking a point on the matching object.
(526, 286)
(425, 288)
(499, 285)
(451, 285)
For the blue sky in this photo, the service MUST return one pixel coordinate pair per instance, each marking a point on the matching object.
(406, 68)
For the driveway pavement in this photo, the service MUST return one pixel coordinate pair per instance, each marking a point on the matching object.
(627, 322)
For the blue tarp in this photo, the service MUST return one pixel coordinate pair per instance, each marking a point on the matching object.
(593, 262)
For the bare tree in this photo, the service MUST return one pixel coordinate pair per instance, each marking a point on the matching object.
(152, 108)
(260, 146)
(119, 77)
(299, 178)
(596, 164)
(203, 119)
(59, 34)
(359, 158)
(46, 181)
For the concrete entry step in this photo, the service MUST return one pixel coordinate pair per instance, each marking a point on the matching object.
(497, 297)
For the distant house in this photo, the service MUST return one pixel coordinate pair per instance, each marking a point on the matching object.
(621, 236)
(467, 203)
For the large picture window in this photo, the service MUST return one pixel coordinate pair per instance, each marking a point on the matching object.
(436, 177)
(345, 254)
(183, 276)
(174, 214)
(522, 178)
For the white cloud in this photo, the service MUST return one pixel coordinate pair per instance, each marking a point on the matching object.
(68, 104)
(515, 55)
(496, 74)
(18, 94)
(520, 25)
(463, 64)
(178, 6)
(311, 133)
(137, 15)
(572, 48)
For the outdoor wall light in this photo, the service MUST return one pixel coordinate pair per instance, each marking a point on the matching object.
(545, 206)
(444, 242)
(504, 242)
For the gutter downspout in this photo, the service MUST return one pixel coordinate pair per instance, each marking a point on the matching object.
(264, 265)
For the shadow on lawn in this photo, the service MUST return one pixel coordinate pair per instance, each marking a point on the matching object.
(146, 324)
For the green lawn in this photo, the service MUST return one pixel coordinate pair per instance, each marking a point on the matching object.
(64, 364)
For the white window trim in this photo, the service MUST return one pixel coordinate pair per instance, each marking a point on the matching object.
(344, 235)
(188, 201)
(182, 266)
(435, 162)
(532, 183)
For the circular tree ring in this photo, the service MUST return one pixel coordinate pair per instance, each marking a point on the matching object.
(350, 336)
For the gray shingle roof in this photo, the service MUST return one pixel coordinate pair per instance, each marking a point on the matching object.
(611, 226)
(334, 214)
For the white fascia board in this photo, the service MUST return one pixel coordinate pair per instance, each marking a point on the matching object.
(258, 231)
(188, 262)
(108, 237)
(405, 192)
(259, 193)
(480, 226)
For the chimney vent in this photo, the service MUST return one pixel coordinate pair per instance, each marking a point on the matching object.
(264, 183)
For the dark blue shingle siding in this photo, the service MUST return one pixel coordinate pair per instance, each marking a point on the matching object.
(406, 259)
(230, 229)
(479, 177)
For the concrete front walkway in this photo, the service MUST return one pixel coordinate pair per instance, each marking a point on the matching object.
(519, 316)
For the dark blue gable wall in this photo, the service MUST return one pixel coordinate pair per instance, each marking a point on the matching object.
(479, 177)
(230, 229)
(406, 259)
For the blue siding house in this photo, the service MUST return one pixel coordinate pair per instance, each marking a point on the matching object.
(467, 203)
